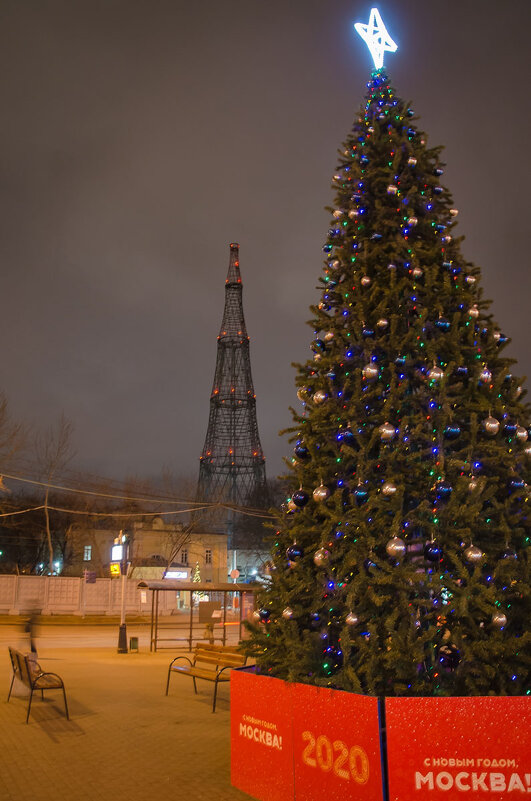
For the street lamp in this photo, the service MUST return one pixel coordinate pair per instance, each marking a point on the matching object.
(119, 555)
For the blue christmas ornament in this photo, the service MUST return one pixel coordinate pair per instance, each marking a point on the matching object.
(443, 490)
(516, 484)
(438, 171)
(361, 494)
(300, 498)
(376, 237)
(452, 431)
(367, 332)
(315, 620)
(461, 371)
(331, 375)
(264, 614)
(369, 565)
(327, 248)
(400, 360)
(318, 346)
(301, 452)
(510, 429)
(508, 553)
(346, 437)
(294, 552)
(448, 657)
(432, 552)
(442, 324)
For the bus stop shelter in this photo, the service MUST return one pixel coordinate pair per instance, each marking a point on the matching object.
(172, 585)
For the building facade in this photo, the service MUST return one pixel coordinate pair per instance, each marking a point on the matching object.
(155, 548)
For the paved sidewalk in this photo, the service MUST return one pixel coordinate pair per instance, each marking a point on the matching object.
(125, 738)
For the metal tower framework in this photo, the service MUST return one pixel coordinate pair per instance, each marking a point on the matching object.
(232, 465)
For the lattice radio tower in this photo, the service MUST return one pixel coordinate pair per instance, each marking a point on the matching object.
(232, 465)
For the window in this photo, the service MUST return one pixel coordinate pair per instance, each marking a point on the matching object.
(184, 557)
(87, 553)
(208, 556)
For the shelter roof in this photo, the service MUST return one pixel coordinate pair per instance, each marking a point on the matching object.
(196, 586)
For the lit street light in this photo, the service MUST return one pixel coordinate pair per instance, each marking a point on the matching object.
(119, 556)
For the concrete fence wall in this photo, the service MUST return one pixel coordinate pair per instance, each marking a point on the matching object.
(58, 595)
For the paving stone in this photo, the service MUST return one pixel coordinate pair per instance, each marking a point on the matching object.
(125, 741)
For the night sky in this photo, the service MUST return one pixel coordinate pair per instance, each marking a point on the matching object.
(138, 138)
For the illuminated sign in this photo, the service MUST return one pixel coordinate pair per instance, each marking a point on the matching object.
(115, 568)
(117, 553)
(176, 574)
(375, 36)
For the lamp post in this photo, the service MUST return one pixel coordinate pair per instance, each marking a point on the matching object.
(120, 554)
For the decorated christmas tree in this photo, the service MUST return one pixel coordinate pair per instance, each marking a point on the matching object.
(401, 563)
(196, 579)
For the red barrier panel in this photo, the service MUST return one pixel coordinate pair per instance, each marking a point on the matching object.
(261, 736)
(450, 748)
(296, 741)
(336, 744)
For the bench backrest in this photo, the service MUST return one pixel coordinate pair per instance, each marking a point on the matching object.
(25, 674)
(25, 667)
(216, 647)
(14, 661)
(219, 656)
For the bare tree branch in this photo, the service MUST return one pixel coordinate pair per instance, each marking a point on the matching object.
(53, 451)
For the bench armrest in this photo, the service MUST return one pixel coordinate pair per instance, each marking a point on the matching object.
(227, 667)
(46, 675)
(180, 657)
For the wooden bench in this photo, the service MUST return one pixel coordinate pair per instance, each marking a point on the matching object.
(27, 670)
(210, 663)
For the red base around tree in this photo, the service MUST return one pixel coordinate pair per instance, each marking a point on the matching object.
(295, 741)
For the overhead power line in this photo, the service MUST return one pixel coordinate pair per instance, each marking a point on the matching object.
(191, 505)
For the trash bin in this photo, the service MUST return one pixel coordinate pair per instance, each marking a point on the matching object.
(133, 644)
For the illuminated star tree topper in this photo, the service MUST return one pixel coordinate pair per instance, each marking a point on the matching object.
(376, 37)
